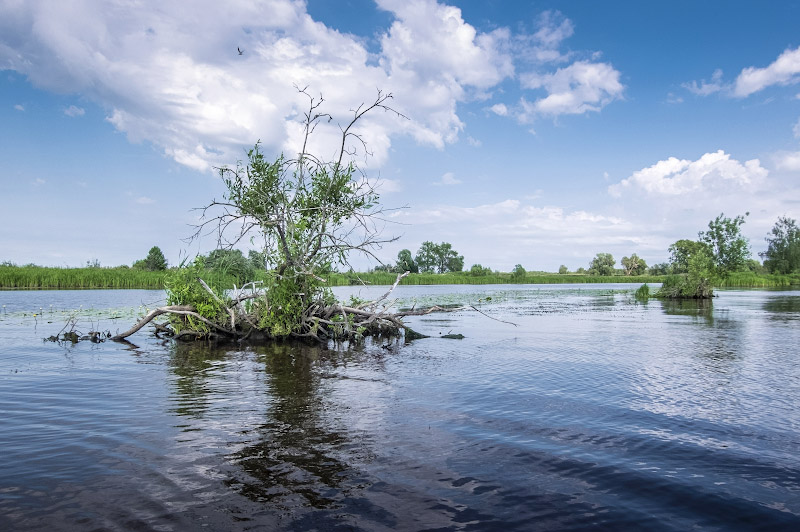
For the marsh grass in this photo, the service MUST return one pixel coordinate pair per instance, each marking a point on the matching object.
(753, 280)
(38, 277)
(382, 278)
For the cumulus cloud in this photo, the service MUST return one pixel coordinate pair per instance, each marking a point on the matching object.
(789, 161)
(19, 107)
(499, 109)
(705, 88)
(74, 111)
(170, 73)
(582, 86)
(576, 89)
(715, 171)
(449, 178)
(783, 71)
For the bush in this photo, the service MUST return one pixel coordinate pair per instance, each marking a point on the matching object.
(643, 293)
(479, 271)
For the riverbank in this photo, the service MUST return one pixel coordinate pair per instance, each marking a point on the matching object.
(39, 277)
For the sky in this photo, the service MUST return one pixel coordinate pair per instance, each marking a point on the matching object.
(538, 133)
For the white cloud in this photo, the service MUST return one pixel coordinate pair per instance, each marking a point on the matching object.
(475, 143)
(553, 28)
(144, 200)
(19, 107)
(789, 161)
(449, 178)
(672, 98)
(783, 71)
(678, 177)
(796, 129)
(705, 88)
(499, 109)
(38, 182)
(579, 88)
(74, 111)
(542, 47)
(170, 73)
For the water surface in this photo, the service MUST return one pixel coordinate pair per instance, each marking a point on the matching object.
(594, 412)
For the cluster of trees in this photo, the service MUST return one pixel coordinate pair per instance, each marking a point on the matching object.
(603, 264)
(783, 247)
(431, 257)
(721, 250)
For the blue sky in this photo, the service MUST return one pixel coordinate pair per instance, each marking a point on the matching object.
(539, 133)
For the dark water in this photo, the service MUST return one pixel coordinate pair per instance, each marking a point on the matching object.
(594, 413)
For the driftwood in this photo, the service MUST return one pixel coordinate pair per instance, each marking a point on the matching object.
(318, 322)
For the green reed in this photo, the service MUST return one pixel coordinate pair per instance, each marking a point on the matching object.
(382, 278)
(754, 280)
(33, 277)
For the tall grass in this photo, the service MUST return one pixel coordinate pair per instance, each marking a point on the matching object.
(36, 277)
(32, 277)
(382, 278)
(754, 280)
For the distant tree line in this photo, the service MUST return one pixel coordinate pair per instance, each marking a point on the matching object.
(430, 258)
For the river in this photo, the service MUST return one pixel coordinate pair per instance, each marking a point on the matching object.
(591, 412)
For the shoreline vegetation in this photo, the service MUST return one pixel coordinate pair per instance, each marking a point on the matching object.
(32, 277)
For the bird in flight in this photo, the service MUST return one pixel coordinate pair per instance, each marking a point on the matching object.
(239, 50)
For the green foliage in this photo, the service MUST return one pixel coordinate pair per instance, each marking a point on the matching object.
(563, 270)
(284, 309)
(697, 283)
(681, 251)
(661, 268)
(230, 262)
(32, 276)
(298, 206)
(602, 264)
(783, 250)
(729, 249)
(155, 260)
(258, 260)
(405, 262)
(439, 257)
(518, 273)
(477, 270)
(183, 288)
(642, 293)
(752, 265)
(634, 265)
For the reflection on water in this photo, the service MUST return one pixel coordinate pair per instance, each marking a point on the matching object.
(697, 308)
(291, 452)
(594, 412)
(783, 307)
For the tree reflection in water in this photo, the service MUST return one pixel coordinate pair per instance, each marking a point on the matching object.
(294, 452)
(699, 308)
(294, 456)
